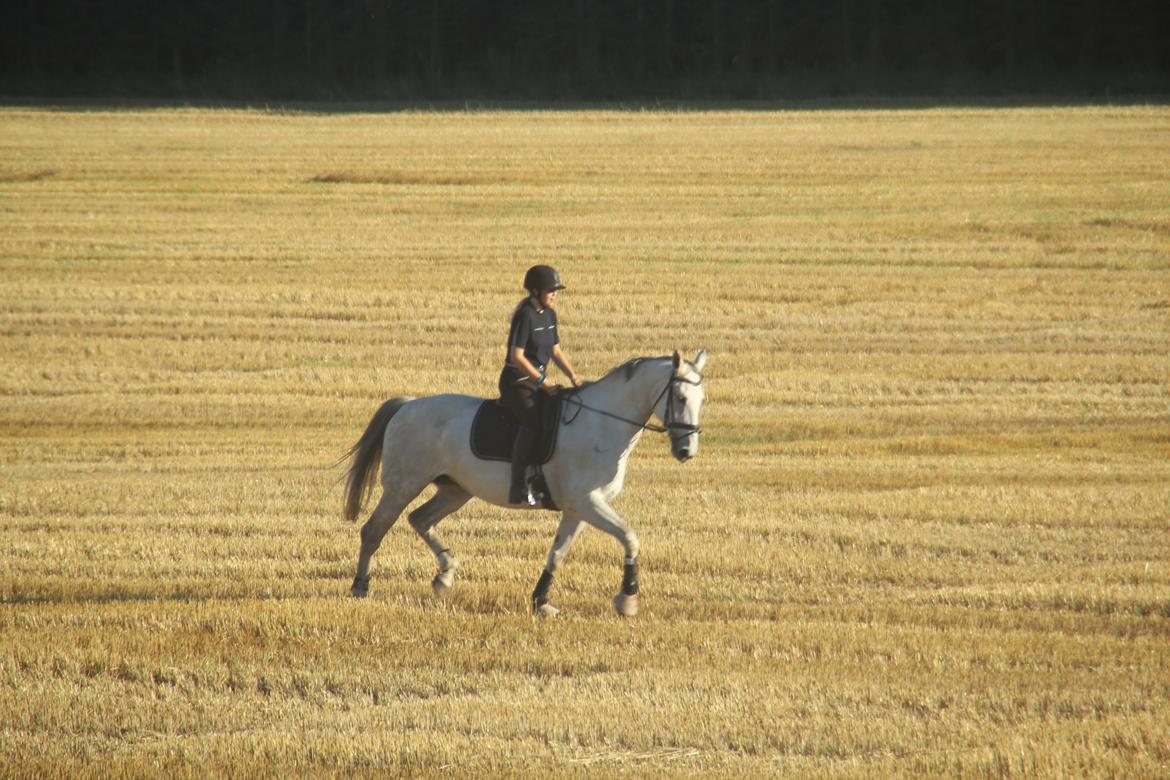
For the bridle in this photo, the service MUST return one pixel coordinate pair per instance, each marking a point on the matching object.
(671, 424)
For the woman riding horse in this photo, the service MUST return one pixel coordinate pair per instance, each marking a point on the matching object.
(532, 341)
(427, 441)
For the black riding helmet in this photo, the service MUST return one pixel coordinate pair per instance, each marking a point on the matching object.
(542, 277)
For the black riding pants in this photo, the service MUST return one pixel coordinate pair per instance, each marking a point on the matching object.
(522, 399)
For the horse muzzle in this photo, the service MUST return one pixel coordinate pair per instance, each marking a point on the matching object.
(684, 440)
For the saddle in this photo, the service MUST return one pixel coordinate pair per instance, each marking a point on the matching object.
(493, 432)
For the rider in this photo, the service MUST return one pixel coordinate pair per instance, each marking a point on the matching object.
(532, 340)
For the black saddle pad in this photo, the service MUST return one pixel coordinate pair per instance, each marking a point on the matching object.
(493, 432)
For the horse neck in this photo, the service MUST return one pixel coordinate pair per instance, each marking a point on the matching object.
(634, 397)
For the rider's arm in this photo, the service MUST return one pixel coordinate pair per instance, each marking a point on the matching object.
(524, 364)
(562, 361)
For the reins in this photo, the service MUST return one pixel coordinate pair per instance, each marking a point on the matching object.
(573, 398)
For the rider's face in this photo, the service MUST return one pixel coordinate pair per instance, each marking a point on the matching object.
(547, 298)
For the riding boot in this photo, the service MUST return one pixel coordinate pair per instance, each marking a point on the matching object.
(518, 492)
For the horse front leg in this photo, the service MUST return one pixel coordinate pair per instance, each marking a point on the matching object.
(626, 601)
(599, 514)
(567, 531)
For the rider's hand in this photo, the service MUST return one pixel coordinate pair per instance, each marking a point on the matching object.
(549, 389)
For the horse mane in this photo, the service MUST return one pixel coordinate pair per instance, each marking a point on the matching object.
(631, 366)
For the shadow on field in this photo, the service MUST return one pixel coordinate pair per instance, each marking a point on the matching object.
(468, 603)
(194, 593)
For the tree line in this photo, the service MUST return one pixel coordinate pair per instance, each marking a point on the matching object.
(579, 49)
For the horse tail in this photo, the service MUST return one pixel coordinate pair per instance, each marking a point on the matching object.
(367, 454)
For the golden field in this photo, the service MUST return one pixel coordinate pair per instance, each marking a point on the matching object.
(928, 533)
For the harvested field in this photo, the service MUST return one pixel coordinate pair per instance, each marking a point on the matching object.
(928, 532)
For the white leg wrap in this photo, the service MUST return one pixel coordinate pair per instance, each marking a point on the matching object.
(447, 561)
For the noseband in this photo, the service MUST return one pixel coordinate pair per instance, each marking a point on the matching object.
(671, 424)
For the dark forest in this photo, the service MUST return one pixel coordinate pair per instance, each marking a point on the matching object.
(576, 50)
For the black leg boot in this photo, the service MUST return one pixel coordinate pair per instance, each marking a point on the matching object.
(518, 492)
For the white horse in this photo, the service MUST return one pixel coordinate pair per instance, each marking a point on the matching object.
(427, 441)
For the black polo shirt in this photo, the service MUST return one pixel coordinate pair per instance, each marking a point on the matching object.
(533, 331)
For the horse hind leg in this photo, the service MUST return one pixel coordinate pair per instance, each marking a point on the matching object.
(381, 520)
(423, 520)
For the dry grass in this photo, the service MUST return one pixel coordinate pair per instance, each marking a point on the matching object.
(928, 533)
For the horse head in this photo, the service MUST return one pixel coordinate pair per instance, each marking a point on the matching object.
(679, 411)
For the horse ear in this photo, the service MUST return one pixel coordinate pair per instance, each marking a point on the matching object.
(701, 360)
(677, 360)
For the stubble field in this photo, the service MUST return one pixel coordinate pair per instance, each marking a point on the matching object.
(928, 532)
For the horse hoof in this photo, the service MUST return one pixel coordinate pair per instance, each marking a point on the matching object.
(441, 584)
(626, 606)
(545, 611)
(360, 588)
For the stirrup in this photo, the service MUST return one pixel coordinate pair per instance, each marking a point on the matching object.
(527, 497)
(535, 496)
